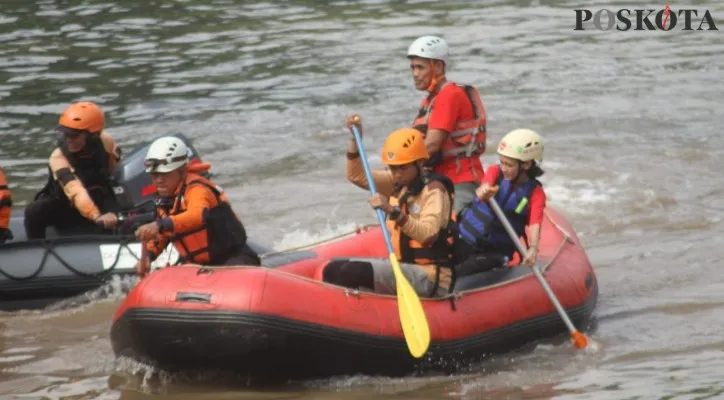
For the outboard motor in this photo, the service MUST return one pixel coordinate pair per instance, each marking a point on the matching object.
(132, 185)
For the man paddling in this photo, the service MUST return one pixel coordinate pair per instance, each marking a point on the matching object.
(418, 206)
(193, 213)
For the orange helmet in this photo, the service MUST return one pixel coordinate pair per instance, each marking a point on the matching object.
(404, 146)
(83, 116)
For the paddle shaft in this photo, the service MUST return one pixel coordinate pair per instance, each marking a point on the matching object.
(373, 190)
(524, 252)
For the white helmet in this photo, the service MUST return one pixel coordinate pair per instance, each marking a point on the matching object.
(432, 47)
(522, 144)
(166, 154)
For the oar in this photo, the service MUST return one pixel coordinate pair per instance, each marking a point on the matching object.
(412, 316)
(579, 340)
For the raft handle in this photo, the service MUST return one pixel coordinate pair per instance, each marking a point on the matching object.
(193, 297)
(453, 297)
(204, 270)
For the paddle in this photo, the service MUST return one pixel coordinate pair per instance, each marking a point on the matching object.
(412, 316)
(579, 340)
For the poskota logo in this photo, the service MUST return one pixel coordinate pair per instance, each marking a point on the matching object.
(665, 19)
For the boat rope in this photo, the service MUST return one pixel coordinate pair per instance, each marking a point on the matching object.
(49, 249)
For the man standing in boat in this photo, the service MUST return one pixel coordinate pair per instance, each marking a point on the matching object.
(6, 202)
(418, 205)
(451, 118)
(78, 193)
(193, 213)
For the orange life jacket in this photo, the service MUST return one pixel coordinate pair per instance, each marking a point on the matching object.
(217, 238)
(441, 252)
(468, 137)
(6, 201)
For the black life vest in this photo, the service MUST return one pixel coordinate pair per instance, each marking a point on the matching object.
(91, 168)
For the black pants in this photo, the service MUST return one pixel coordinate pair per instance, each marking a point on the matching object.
(351, 274)
(243, 256)
(48, 211)
(475, 259)
(480, 262)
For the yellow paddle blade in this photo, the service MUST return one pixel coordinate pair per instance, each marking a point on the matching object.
(412, 316)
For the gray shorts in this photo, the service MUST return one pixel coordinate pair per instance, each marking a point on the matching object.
(464, 195)
(385, 282)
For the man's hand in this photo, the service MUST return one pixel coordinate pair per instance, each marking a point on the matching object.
(147, 232)
(143, 266)
(381, 202)
(107, 220)
(353, 120)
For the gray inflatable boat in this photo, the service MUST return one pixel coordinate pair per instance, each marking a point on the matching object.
(67, 264)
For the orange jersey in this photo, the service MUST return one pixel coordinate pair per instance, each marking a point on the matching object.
(184, 224)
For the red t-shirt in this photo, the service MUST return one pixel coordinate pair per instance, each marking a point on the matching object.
(537, 202)
(452, 105)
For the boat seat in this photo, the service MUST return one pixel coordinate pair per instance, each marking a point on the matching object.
(492, 277)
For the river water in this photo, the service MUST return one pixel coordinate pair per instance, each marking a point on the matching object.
(633, 150)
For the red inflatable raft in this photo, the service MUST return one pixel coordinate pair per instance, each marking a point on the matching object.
(282, 322)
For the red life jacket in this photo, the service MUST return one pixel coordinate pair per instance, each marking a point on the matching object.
(469, 137)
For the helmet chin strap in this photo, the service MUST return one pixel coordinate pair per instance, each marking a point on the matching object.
(169, 200)
(182, 180)
(435, 78)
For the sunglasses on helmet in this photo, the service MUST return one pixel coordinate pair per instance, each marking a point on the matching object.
(156, 162)
(70, 132)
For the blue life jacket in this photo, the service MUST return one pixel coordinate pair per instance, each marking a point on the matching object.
(481, 228)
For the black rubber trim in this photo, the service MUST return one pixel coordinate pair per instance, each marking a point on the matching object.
(51, 287)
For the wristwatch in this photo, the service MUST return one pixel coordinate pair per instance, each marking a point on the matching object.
(395, 214)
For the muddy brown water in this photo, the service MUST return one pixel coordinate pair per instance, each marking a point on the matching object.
(632, 122)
